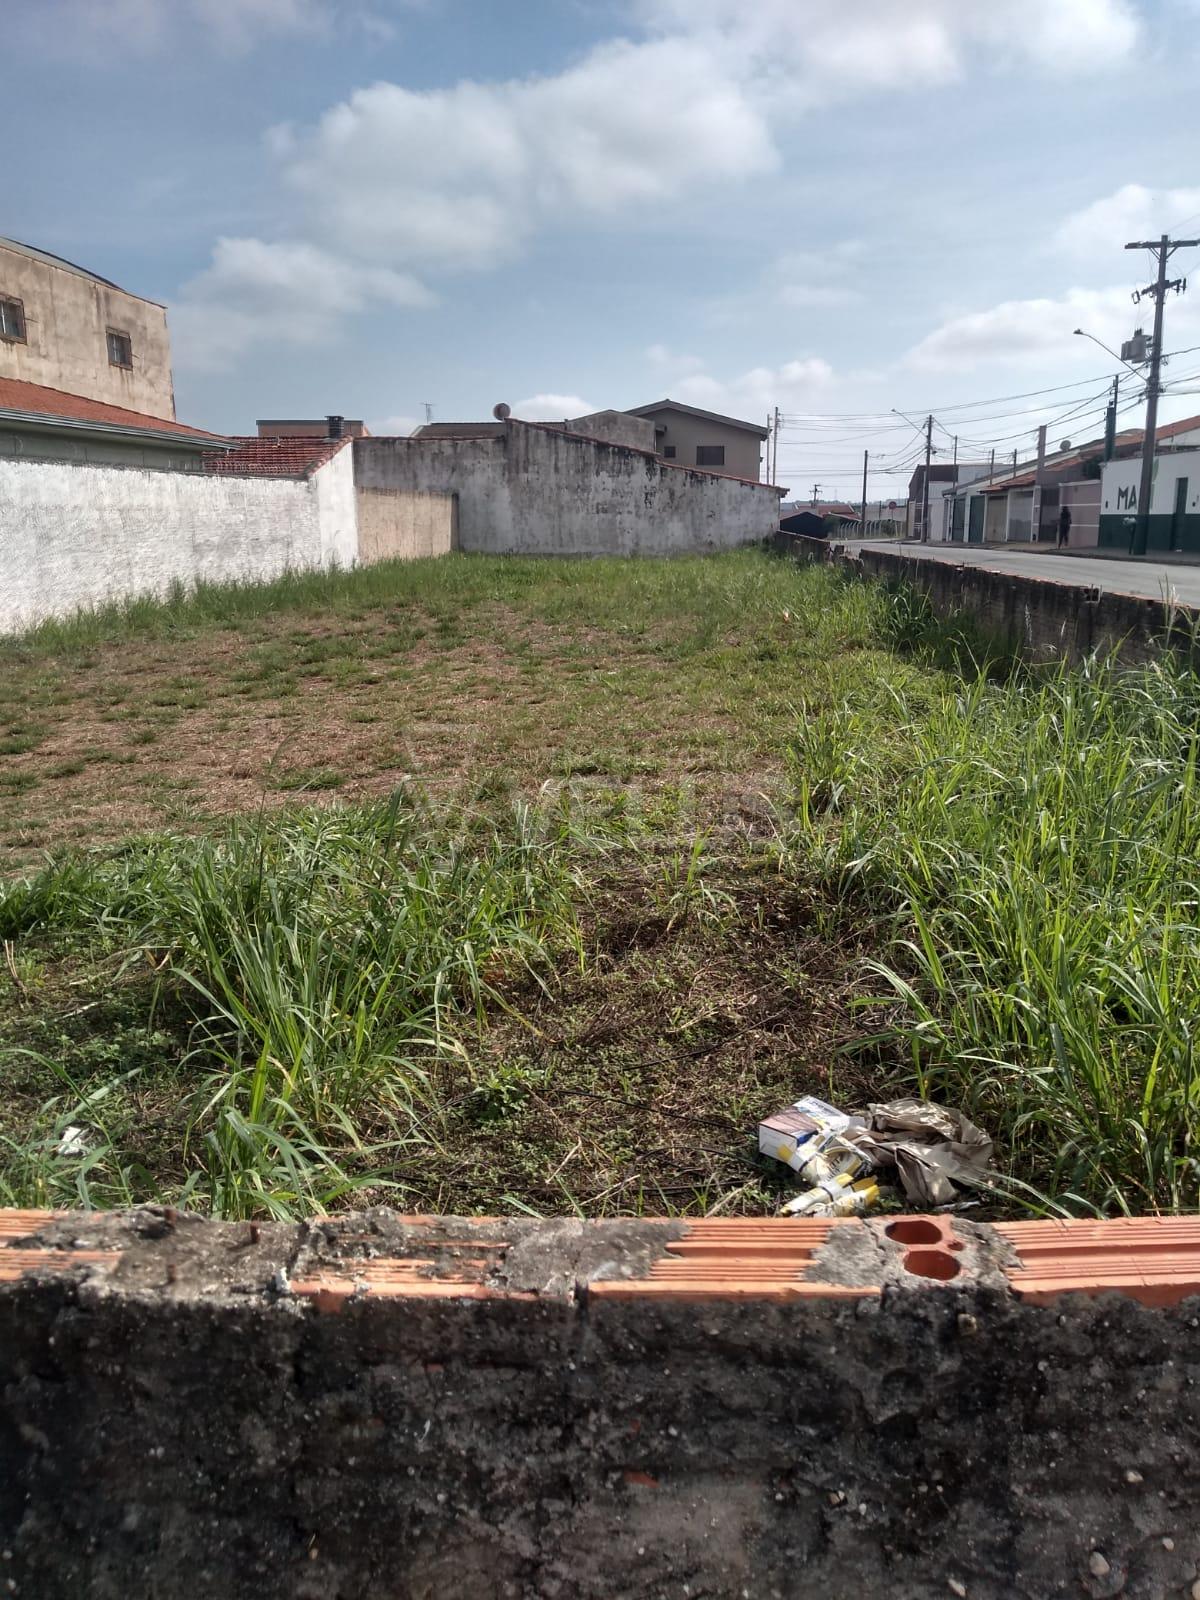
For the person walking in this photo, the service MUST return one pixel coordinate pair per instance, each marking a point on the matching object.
(1064, 526)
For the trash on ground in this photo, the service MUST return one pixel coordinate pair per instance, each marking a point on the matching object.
(843, 1196)
(841, 1155)
(931, 1149)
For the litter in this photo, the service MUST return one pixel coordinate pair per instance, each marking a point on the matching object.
(842, 1196)
(841, 1155)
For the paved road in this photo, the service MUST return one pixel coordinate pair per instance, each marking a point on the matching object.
(1154, 580)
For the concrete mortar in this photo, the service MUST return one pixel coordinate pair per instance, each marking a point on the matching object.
(215, 1436)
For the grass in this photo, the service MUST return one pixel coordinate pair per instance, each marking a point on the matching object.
(444, 673)
(1030, 853)
(482, 884)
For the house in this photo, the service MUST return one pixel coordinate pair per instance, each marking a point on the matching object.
(613, 427)
(694, 438)
(815, 519)
(332, 427)
(1022, 505)
(943, 478)
(42, 424)
(66, 329)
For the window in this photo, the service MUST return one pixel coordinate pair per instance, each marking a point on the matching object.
(120, 349)
(710, 455)
(12, 321)
(668, 452)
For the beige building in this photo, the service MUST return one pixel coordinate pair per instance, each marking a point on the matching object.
(68, 329)
(694, 438)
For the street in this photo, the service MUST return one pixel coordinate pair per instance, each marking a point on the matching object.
(1153, 580)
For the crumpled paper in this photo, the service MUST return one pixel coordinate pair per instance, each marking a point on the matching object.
(931, 1148)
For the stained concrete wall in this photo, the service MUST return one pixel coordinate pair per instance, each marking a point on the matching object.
(75, 536)
(403, 524)
(617, 427)
(1037, 618)
(538, 490)
(179, 1422)
(67, 318)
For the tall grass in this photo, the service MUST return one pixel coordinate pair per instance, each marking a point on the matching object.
(1030, 851)
(332, 961)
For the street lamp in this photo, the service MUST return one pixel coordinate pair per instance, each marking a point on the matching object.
(1083, 334)
(1110, 414)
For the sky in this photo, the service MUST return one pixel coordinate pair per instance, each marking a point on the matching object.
(857, 211)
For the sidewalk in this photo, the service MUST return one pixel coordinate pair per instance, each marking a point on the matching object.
(1170, 558)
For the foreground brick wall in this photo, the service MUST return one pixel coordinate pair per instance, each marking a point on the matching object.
(1038, 617)
(384, 1406)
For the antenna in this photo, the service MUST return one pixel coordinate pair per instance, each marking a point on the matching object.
(428, 404)
(502, 412)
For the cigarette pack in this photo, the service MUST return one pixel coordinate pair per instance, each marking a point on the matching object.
(808, 1121)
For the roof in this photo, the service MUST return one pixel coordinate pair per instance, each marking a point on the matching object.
(1061, 461)
(52, 260)
(458, 430)
(695, 411)
(294, 457)
(33, 402)
(650, 455)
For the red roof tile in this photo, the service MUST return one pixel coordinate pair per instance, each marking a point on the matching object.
(16, 395)
(288, 457)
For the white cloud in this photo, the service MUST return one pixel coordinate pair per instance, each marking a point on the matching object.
(1131, 212)
(1035, 332)
(284, 293)
(793, 386)
(552, 408)
(460, 177)
(1023, 331)
(815, 49)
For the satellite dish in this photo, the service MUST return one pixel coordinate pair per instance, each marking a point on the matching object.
(502, 412)
(1064, 444)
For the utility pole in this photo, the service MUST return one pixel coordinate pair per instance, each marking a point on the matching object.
(1164, 249)
(862, 528)
(775, 464)
(925, 485)
(816, 492)
(1110, 422)
(428, 404)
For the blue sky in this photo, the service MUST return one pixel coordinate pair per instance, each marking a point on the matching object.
(833, 206)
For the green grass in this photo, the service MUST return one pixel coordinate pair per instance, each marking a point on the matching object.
(1029, 852)
(606, 861)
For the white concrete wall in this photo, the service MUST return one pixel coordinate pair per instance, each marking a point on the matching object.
(75, 536)
(537, 491)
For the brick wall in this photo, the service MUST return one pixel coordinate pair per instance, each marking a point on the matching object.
(381, 1407)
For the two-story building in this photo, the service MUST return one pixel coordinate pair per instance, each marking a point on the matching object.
(85, 369)
(694, 438)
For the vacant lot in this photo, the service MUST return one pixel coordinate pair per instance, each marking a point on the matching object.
(473, 678)
(491, 884)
